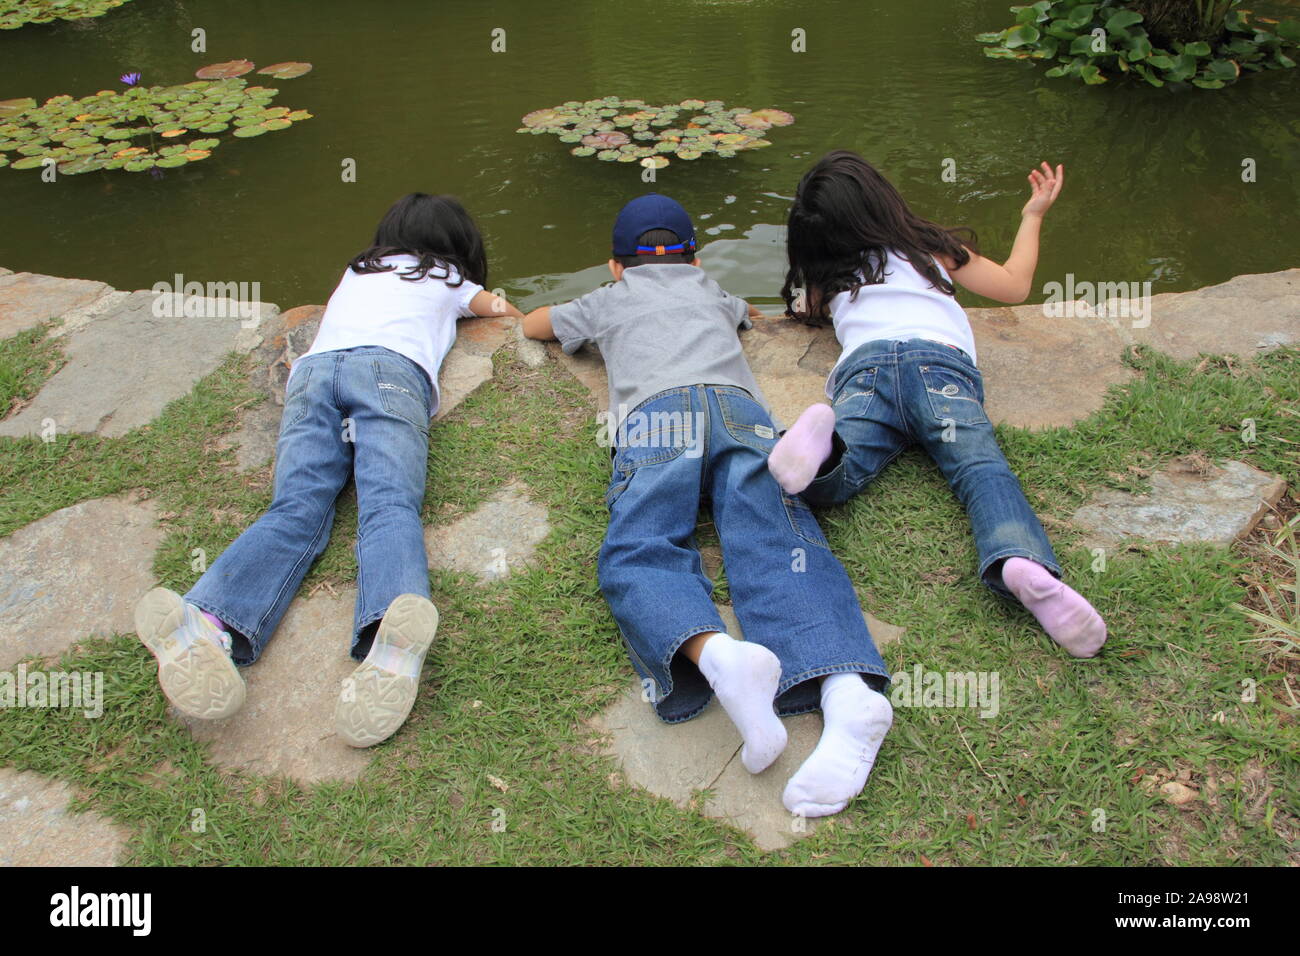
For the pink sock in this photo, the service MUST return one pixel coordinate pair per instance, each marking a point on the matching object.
(1064, 613)
(802, 449)
(215, 621)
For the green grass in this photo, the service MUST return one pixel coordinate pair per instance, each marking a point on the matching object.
(540, 653)
(26, 361)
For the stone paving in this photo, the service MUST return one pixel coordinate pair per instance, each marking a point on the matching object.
(76, 572)
(496, 538)
(1189, 503)
(37, 828)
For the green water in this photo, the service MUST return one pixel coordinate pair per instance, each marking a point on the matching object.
(411, 91)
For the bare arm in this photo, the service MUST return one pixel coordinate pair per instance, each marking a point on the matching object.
(1013, 280)
(537, 324)
(486, 304)
(754, 312)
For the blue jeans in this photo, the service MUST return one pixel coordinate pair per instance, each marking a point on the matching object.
(360, 412)
(709, 444)
(890, 395)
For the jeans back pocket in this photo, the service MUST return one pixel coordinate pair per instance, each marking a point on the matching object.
(745, 419)
(954, 396)
(400, 392)
(658, 430)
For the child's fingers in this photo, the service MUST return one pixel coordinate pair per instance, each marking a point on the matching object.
(1060, 181)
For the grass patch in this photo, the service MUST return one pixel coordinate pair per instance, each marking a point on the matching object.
(27, 360)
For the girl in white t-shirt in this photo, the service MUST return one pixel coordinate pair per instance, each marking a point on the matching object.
(357, 405)
(906, 374)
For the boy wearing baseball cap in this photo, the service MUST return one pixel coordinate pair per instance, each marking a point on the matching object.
(692, 428)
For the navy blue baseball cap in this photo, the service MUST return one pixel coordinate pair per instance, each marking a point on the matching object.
(652, 211)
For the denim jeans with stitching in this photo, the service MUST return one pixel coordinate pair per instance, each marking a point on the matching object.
(361, 413)
(890, 395)
(708, 444)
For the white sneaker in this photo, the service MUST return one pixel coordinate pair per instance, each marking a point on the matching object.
(194, 665)
(379, 695)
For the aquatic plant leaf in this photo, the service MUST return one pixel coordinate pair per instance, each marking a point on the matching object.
(14, 107)
(583, 150)
(245, 132)
(224, 71)
(605, 140)
(655, 162)
(543, 119)
(285, 71)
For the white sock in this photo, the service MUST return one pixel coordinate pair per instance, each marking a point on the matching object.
(745, 677)
(856, 719)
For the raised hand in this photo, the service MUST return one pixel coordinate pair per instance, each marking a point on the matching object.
(1046, 185)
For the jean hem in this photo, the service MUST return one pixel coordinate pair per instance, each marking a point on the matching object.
(997, 586)
(230, 622)
(849, 667)
(666, 665)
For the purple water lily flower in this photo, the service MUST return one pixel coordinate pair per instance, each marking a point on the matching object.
(130, 79)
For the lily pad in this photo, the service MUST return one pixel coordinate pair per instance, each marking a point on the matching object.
(10, 108)
(224, 71)
(285, 71)
(583, 150)
(773, 117)
(605, 140)
(655, 162)
(543, 119)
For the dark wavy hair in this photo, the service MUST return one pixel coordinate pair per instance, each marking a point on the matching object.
(436, 230)
(845, 217)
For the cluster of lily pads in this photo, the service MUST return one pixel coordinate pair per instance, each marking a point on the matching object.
(631, 131)
(17, 13)
(143, 128)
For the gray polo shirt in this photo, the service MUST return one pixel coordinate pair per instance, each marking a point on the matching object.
(661, 326)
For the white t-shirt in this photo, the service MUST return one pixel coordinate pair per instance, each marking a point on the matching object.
(904, 306)
(415, 319)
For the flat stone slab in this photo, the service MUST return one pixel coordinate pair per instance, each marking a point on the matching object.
(74, 573)
(28, 299)
(286, 726)
(290, 335)
(127, 364)
(791, 361)
(497, 537)
(38, 829)
(1187, 505)
(676, 760)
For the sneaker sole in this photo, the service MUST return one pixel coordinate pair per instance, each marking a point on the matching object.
(199, 679)
(380, 700)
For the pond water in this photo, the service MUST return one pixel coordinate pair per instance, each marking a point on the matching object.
(411, 91)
